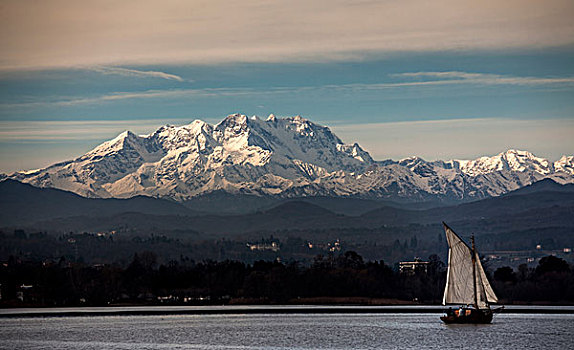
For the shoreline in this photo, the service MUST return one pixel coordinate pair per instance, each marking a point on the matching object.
(257, 309)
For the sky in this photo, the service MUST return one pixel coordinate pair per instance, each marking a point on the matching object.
(438, 79)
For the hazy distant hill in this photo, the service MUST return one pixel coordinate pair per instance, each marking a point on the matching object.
(25, 204)
(544, 199)
(534, 210)
(545, 185)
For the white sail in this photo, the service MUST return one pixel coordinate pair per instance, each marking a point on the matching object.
(489, 293)
(459, 281)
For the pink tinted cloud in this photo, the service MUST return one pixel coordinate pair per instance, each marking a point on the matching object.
(61, 33)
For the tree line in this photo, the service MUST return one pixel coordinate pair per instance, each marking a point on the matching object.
(551, 281)
(342, 278)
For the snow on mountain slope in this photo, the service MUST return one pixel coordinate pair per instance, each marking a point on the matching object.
(565, 165)
(280, 156)
(512, 160)
(239, 154)
(108, 162)
(489, 176)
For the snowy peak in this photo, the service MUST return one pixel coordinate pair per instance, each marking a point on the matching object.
(233, 125)
(418, 166)
(565, 164)
(129, 147)
(512, 160)
(125, 139)
(291, 138)
(356, 152)
(239, 154)
(412, 162)
(196, 137)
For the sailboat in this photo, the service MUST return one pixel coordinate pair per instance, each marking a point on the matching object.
(466, 284)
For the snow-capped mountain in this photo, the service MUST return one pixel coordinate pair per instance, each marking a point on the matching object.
(285, 157)
(489, 176)
(513, 160)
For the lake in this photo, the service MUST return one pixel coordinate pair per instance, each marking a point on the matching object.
(286, 331)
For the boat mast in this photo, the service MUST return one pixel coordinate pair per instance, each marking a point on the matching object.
(474, 273)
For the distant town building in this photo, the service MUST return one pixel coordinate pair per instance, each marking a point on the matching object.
(273, 246)
(413, 267)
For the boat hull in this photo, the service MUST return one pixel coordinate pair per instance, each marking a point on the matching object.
(474, 317)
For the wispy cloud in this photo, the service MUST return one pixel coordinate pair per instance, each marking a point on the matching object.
(455, 77)
(65, 33)
(422, 80)
(153, 94)
(135, 73)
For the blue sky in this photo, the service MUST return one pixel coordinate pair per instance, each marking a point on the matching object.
(440, 90)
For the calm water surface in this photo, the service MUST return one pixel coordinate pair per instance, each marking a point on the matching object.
(273, 331)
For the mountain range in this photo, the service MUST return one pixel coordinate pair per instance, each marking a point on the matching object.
(280, 158)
